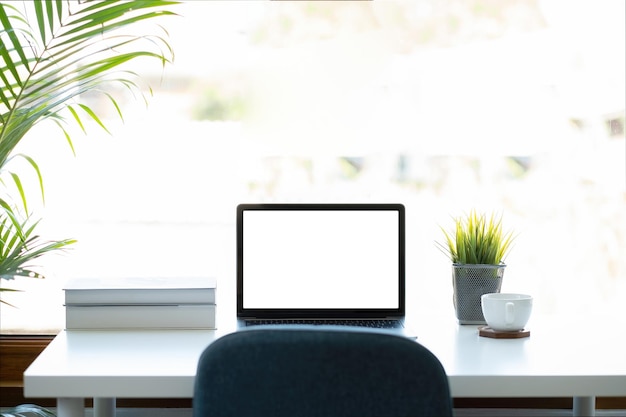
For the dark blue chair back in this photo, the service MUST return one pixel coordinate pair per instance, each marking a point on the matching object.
(319, 373)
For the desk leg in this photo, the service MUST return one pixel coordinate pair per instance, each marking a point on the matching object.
(584, 406)
(104, 407)
(71, 407)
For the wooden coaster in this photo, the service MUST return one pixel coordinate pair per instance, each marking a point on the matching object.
(487, 331)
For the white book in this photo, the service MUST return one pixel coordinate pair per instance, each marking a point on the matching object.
(117, 317)
(111, 291)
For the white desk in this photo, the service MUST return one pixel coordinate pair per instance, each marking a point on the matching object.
(579, 362)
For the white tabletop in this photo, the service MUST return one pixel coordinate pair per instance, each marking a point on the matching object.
(559, 359)
(130, 364)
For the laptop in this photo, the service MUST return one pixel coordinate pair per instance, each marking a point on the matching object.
(322, 264)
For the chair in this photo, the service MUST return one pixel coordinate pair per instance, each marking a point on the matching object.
(325, 373)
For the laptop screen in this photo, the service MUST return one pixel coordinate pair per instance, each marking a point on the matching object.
(320, 260)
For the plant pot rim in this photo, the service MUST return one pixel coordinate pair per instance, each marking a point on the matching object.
(500, 265)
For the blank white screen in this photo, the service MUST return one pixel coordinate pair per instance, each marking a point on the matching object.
(320, 259)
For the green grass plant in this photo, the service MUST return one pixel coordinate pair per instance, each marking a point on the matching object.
(477, 239)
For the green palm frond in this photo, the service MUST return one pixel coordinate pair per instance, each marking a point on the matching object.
(52, 52)
(20, 246)
(73, 48)
(477, 239)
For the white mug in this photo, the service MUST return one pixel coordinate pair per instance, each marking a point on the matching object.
(506, 312)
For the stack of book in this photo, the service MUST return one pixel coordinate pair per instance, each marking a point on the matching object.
(140, 303)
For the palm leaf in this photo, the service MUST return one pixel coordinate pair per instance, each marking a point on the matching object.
(75, 48)
(19, 246)
(51, 52)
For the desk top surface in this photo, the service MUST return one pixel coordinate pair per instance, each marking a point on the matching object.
(560, 358)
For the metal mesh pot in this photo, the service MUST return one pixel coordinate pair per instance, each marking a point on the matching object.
(470, 282)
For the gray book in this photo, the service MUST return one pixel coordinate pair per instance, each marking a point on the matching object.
(119, 317)
(140, 291)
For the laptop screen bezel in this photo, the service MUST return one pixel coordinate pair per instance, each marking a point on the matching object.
(321, 313)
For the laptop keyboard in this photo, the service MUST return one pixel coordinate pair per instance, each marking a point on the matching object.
(377, 323)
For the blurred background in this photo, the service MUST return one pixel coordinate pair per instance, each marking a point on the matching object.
(515, 107)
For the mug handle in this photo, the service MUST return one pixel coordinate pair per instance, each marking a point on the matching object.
(509, 313)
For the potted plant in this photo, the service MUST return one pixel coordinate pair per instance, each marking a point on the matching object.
(52, 52)
(477, 248)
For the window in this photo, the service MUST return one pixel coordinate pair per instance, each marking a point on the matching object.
(515, 107)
